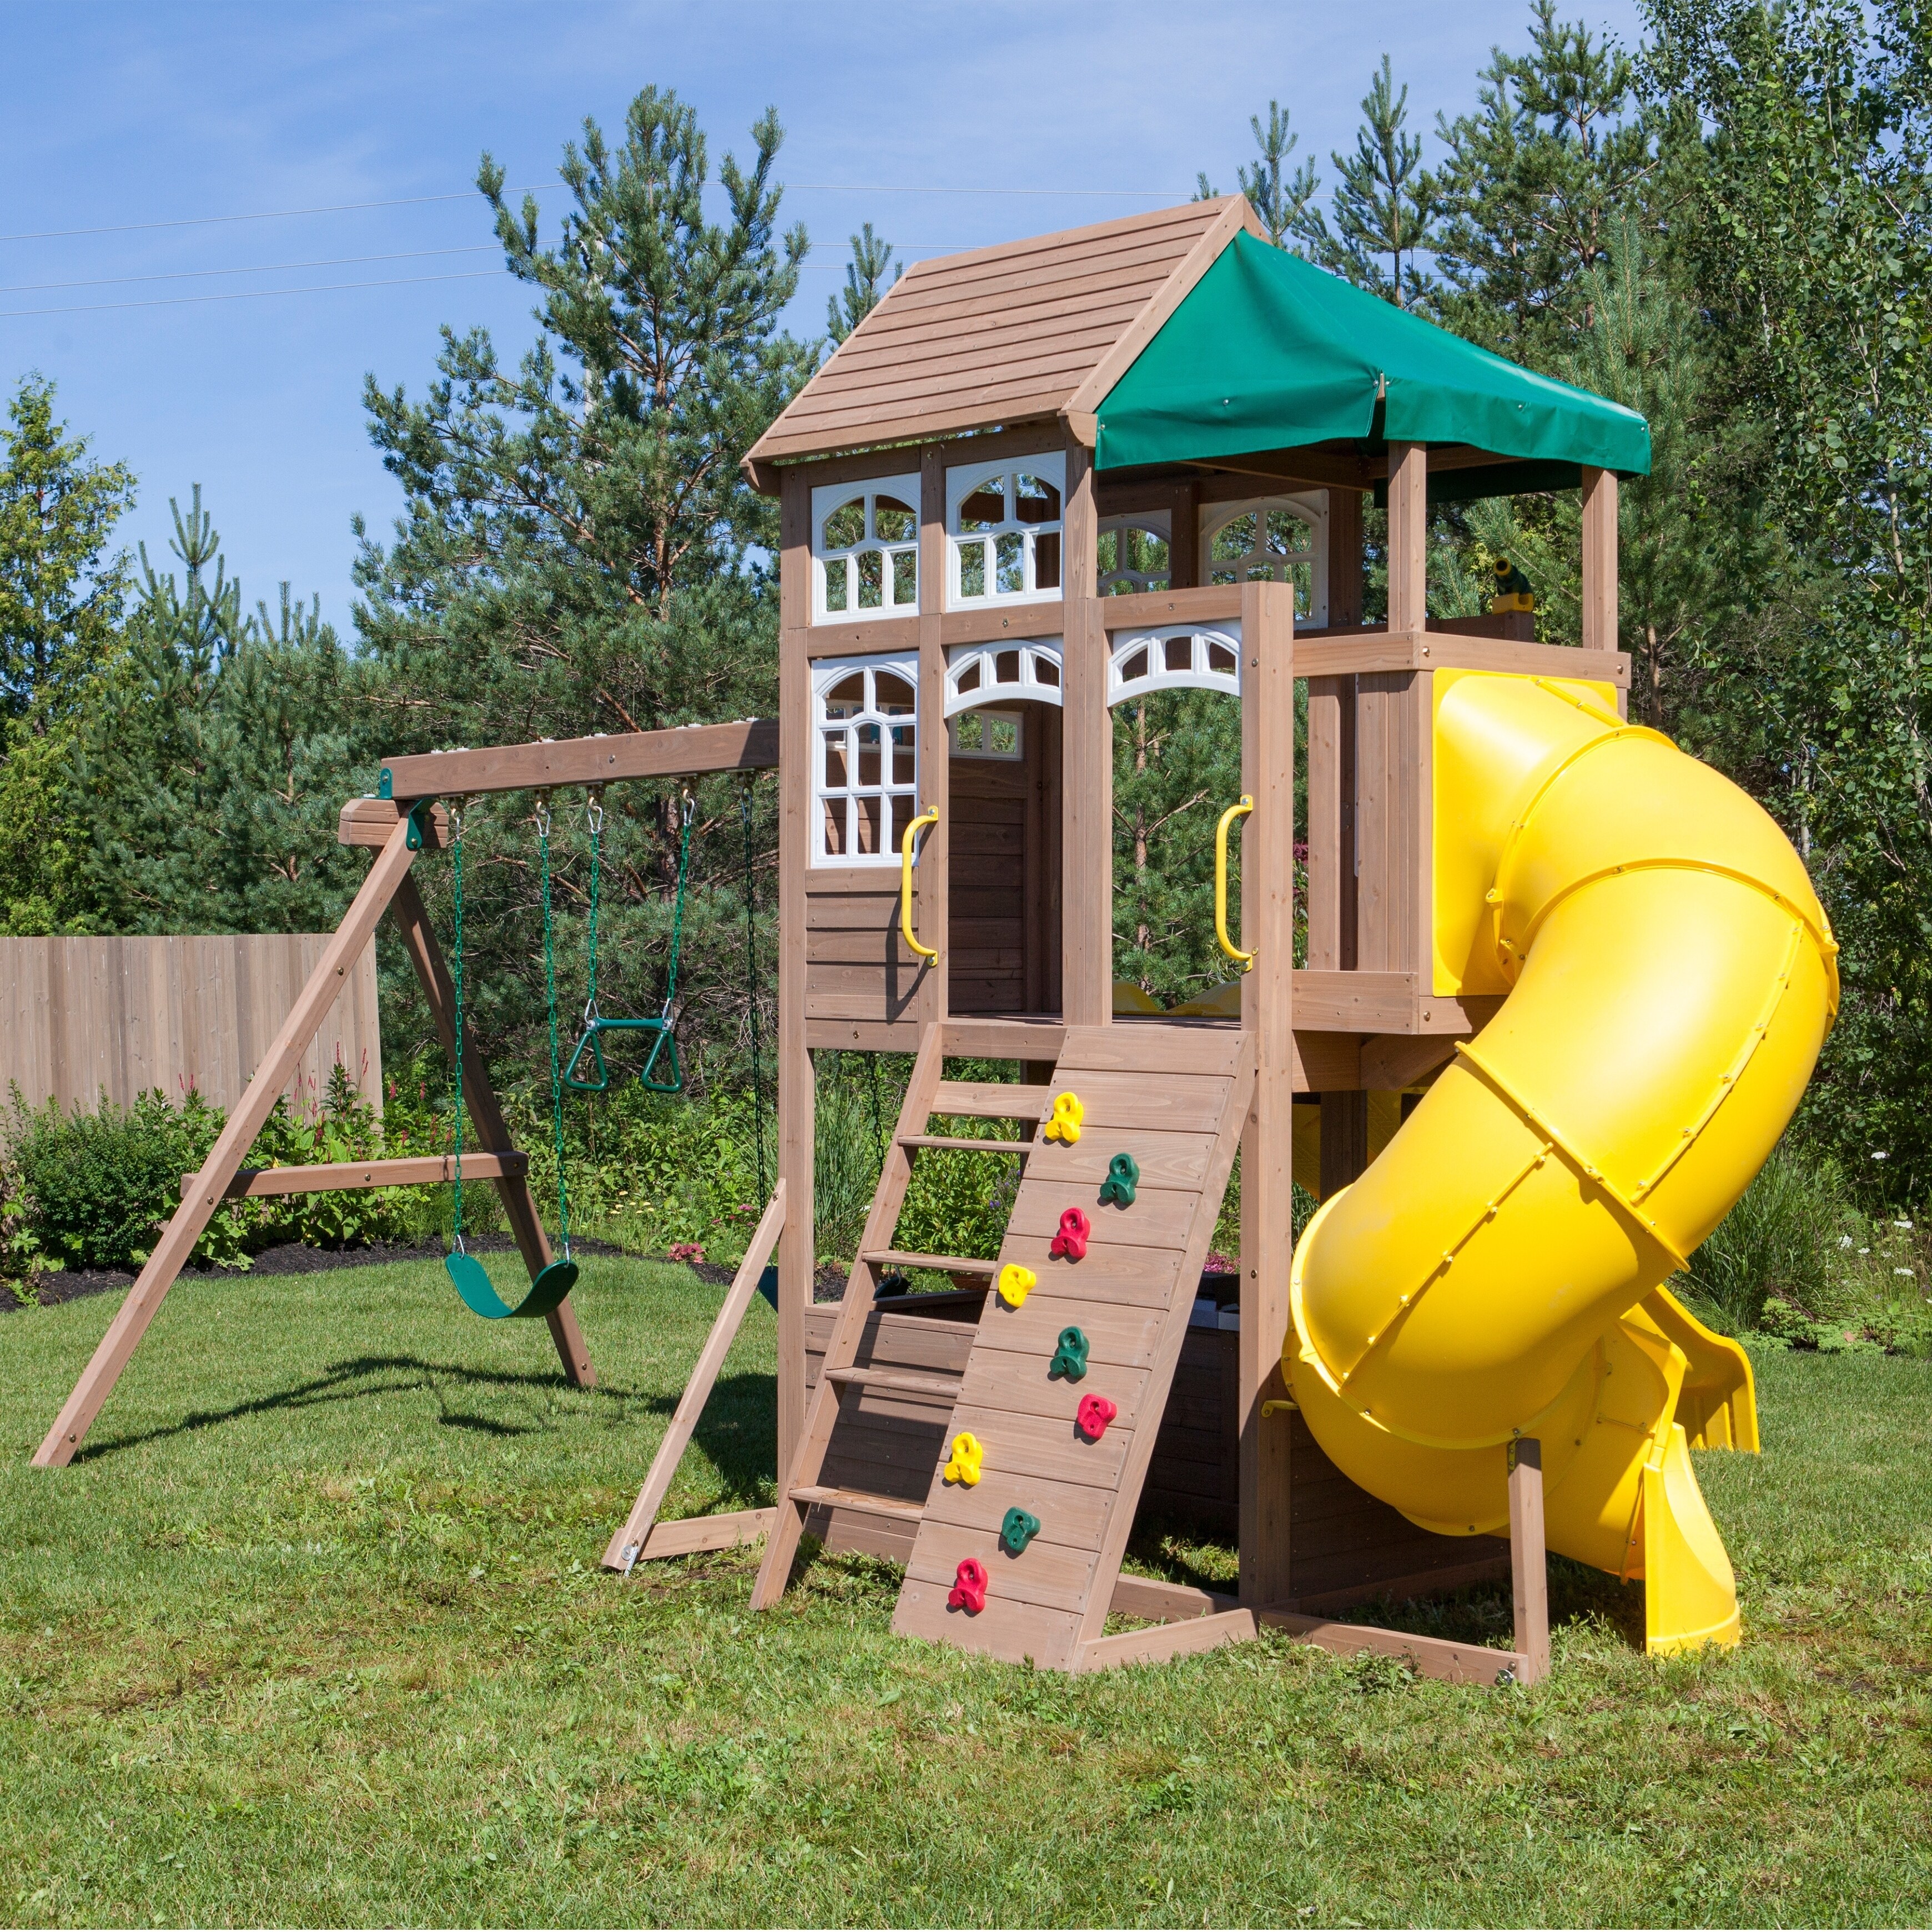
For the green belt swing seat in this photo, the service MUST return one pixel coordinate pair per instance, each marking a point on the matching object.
(547, 1292)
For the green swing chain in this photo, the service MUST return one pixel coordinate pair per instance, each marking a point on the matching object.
(751, 988)
(550, 995)
(456, 813)
(594, 817)
(677, 914)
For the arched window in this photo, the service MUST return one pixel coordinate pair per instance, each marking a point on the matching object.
(1280, 538)
(1178, 657)
(979, 673)
(865, 778)
(1133, 554)
(865, 548)
(1002, 525)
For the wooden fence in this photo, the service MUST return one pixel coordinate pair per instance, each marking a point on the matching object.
(80, 1017)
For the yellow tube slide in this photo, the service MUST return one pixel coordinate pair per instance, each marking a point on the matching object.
(1498, 1270)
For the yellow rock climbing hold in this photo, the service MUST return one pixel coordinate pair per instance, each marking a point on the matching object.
(964, 1465)
(1067, 1115)
(1016, 1283)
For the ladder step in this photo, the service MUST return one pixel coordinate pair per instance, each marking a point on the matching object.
(895, 1507)
(894, 1258)
(1022, 1148)
(897, 1380)
(990, 1100)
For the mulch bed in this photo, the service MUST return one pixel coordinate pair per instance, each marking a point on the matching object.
(288, 1258)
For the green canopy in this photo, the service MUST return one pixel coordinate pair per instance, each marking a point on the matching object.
(1268, 351)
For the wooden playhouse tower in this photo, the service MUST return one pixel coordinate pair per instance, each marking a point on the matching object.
(1036, 480)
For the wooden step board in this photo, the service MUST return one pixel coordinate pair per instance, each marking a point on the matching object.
(1175, 1099)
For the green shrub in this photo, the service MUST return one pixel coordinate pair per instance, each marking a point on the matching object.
(1773, 1243)
(96, 1188)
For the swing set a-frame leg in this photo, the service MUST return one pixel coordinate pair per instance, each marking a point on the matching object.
(171, 1253)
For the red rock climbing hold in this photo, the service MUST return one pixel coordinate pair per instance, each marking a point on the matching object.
(1071, 1241)
(1095, 1412)
(969, 1587)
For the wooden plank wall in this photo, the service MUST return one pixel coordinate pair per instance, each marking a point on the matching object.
(79, 1017)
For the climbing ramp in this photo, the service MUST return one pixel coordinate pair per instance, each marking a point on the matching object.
(1039, 1505)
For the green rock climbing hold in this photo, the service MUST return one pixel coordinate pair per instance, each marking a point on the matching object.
(1070, 1359)
(1123, 1176)
(1019, 1528)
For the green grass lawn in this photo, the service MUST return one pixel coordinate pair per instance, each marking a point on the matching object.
(314, 1632)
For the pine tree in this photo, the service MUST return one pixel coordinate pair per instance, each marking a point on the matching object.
(1281, 201)
(60, 595)
(1532, 183)
(864, 283)
(579, 551)
(1384, 206)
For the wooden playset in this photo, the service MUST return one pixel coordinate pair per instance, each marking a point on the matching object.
(1037, 481)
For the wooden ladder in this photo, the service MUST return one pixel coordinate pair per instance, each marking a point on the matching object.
(927, 1094)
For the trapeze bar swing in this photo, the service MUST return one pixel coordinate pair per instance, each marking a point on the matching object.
(596, 1025)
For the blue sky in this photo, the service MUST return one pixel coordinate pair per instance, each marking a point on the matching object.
(146, 122)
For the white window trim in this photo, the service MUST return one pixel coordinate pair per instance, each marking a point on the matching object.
(1198, 675)
(1310, 508)
(829, 496)
(827, 672)
(1016, 718)
(1033, 652)
(1150, 522)
(1050, 467)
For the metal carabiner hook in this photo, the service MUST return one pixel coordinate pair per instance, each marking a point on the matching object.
(593, 811)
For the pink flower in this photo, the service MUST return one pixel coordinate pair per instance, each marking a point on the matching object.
(688, 1252)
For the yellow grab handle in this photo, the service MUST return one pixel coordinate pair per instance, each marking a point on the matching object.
(905, 884)
(1241, 810)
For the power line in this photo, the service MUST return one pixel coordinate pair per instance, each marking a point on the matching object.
(544, 187)
(253, 294)
(260, 268)
(269, 214)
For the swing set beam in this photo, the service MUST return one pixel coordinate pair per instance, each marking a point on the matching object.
(751, 745)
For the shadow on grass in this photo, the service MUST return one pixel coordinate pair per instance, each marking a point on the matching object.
(358, 1379)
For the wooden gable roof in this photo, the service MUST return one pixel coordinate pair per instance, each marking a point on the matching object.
(1030, 329)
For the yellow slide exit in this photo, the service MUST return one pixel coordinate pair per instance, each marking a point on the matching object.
(1497, 1271)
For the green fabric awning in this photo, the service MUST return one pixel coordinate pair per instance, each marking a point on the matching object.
(1268, 351)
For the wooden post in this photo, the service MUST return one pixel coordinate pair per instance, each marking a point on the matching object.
(1344, 1140)
(1267, 1148)
(1599, 627)
(172, 1251)
(486, 1116)
(1529, 1563)
(930, 875)
(1087, 791)
(795, 1095)
(1183, 538)
(1345, 558)
(1408, 536)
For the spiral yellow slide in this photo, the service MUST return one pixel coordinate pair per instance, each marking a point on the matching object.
(1498, 1270)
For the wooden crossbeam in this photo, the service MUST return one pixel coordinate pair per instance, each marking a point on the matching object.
(255, 1183)
(750, 744)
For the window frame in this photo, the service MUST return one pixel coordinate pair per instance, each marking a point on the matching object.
(1120, 581)
(1310, 508)
(826, 674)
(962, 480)
(828, 497)
(1199, 674)
(991, 688)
